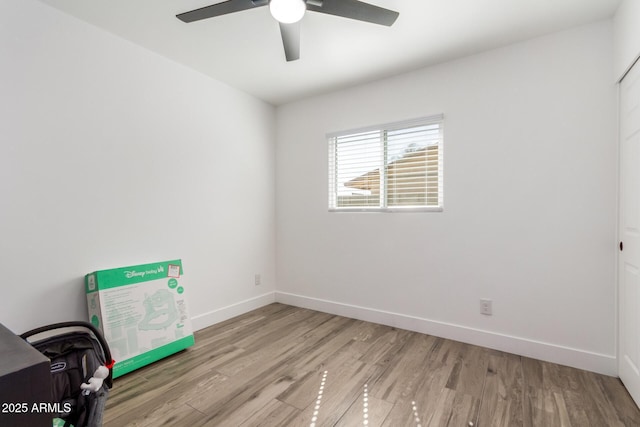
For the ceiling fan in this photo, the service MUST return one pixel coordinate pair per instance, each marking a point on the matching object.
(288, 13)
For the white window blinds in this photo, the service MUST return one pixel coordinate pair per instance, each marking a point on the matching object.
(392, 167)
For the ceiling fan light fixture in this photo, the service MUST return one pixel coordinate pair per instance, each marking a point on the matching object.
(287, 11)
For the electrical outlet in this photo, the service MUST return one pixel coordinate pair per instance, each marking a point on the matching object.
(486, 306)
(257, 279)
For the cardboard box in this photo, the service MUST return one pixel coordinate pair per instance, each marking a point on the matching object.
(141, 311)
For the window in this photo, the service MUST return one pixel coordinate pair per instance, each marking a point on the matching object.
(387, 168)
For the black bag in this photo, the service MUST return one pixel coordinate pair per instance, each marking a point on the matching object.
(75, 355)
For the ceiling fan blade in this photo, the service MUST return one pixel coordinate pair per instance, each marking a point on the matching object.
(291, 40)
(355, 9)
(218, 9)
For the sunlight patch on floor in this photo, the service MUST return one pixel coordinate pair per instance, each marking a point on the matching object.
(316, 409)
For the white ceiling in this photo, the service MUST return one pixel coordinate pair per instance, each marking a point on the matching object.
(244, 49)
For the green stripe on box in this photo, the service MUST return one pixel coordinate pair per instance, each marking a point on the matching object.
(136, 362)
(125, 276)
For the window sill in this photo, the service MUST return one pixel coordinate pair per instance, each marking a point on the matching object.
(390, 210)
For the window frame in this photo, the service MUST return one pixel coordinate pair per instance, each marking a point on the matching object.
(384, 129)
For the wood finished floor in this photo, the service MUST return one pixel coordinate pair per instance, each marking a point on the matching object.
(266, 368)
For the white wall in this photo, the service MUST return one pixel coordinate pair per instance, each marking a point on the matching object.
(626, 36)
(529, 204)
(113, 156)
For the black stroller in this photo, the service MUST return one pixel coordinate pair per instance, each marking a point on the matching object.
(76, 355)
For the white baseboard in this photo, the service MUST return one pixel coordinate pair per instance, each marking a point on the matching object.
(221, 314)
(581, 359)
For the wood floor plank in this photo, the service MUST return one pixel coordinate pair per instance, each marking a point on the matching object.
(229, 331)
(464, 410)
(302, 393)
(377, 411)
(166, 415)
(442, 414)
(274, 414)
(428, 392)
(270, 347)
(563, 414)
(406, 369)
(549, 408)
(271, 330)
(230, 395)
(148, 394)
(501, 403)
(388, 341)
(619, 399)
(157, 404)
(470, 372)
(342, 387)
(532, 372)
(324, 340)
(266, 367)
(403, 413)
(254, 402)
